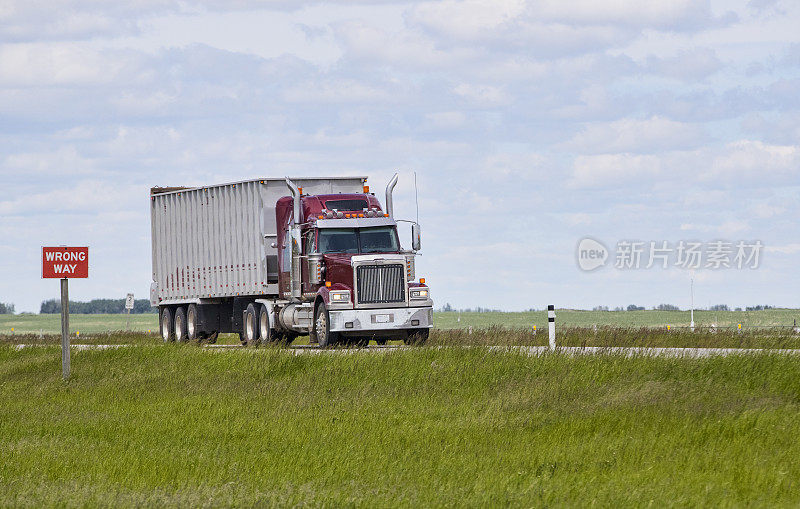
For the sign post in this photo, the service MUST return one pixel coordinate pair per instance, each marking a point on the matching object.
(128, 307)
(64, 263)
(65, 328)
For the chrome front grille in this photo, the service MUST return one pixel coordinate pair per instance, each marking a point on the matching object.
(381, 283)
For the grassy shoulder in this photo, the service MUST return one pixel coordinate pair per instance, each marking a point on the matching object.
(168, 426)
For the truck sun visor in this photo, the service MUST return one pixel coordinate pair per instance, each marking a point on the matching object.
(349, 205)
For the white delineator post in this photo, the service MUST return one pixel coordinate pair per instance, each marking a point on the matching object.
(551, 325)
(691, 323)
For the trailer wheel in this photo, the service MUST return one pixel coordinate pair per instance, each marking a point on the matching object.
(322, 327)
(417, 336)
(192, 325)
(251, 326)
(265, 333)
(166, 325)
(180, 324)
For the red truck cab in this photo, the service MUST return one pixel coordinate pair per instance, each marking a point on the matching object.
(352, 268)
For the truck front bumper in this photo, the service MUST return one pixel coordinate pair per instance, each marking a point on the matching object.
(384, 319)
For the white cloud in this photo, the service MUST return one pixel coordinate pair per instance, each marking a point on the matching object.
(687, 65)
(793, 248)
(755, 160)
(655, 134)
(88, 196)
(483, 95)
(42, 65)
(606, 170)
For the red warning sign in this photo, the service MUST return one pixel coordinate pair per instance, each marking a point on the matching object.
(65, 262)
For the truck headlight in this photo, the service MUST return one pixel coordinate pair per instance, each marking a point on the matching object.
(340, 296)
(420, 293)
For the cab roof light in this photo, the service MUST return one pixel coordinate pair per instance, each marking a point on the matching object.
(327, 284)
(366, 189)
(422, 280)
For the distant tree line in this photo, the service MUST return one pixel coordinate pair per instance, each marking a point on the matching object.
(631, 307)
(448, 308)
(6, 309)
(97, 306)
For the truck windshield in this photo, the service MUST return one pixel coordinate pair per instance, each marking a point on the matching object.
(381, 239)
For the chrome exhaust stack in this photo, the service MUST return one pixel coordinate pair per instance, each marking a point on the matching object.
(295, 199)
(389, 202)
(294, 241)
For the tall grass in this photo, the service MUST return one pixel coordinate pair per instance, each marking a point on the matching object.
(180, 426)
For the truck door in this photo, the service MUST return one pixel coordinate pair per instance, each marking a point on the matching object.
(309, 246)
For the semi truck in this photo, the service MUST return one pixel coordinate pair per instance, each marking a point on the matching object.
(274, 258)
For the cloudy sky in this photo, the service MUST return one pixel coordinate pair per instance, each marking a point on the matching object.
(531, 125)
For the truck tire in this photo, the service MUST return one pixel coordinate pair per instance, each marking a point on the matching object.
(180, 324)
(251, 326)
(192, 323)
(166, 325)
(417, 336)
(322, 327)
(264, 331)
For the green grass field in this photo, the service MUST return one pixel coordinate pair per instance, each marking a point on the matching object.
(181, 426)
(91, 324)
(622, 319)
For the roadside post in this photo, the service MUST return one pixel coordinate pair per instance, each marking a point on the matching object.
(65, 263)
(551, 325)
(128, 307)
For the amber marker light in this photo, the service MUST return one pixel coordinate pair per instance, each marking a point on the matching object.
(422, 280)
(327, 284)
(366, 189)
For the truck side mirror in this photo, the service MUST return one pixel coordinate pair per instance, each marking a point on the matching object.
(416, 238)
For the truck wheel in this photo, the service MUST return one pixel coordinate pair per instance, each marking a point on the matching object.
(265, 334)
(251, 326)
(166, 325)
(192, 325)
(417, 336)
(180, 324)
(322, 327)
